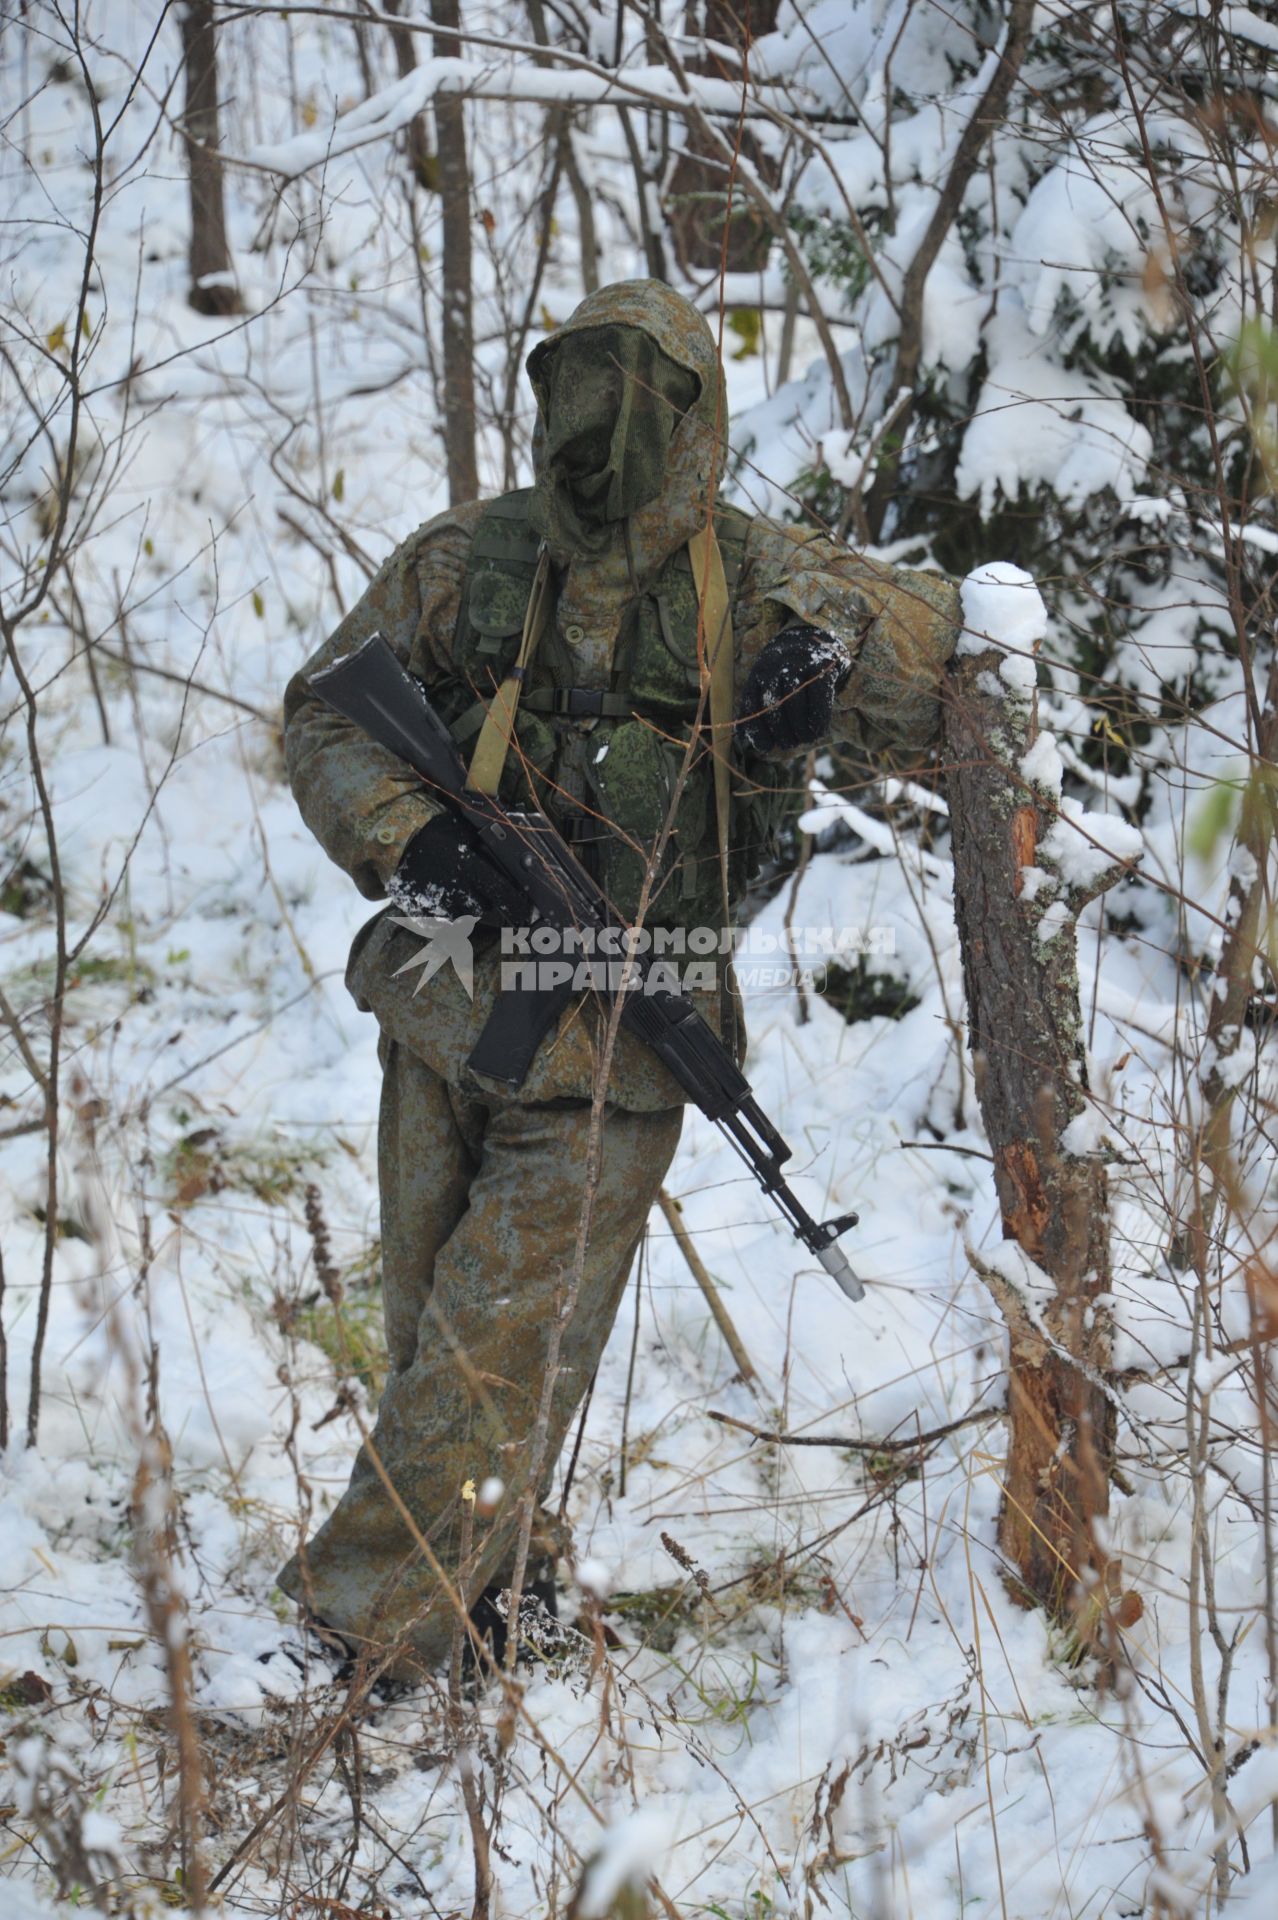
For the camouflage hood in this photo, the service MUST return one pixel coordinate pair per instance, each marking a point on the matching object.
(632, 425)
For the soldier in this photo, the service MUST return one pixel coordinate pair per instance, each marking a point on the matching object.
(560, 632)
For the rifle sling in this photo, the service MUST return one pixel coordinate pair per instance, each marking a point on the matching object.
(715, 657)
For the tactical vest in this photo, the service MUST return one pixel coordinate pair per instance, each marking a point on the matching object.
(604, 762)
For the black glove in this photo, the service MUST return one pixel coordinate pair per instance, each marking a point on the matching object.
(788, 698)
(444, 875)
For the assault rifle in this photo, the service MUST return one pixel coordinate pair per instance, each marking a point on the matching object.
(372, 689)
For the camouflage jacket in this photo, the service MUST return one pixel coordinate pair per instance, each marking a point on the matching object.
(364, 805)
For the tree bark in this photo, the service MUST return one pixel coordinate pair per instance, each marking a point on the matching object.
(697, 191)
(1020, 972)
(420, 158)
(213, 288)
(646, 194)
(559, 131)
(457, 327)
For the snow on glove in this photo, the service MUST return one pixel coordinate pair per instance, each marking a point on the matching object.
(443, 875)
(788, 698)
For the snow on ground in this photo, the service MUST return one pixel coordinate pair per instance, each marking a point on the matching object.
(859, 1714)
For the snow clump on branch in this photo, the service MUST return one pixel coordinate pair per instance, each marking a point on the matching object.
(1003, 608)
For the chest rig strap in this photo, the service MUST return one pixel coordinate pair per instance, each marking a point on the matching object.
(579, 703)
(488, 761)
(714, 657)
(519, 1021)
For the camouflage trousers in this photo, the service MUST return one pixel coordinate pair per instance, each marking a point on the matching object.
(481, 1206)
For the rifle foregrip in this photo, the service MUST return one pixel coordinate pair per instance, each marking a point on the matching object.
(680, 1038)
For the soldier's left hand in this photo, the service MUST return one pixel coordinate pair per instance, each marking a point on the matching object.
(788, 699)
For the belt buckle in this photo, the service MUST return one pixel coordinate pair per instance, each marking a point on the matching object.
(577, 703)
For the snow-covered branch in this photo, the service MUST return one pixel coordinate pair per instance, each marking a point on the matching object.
(386, 112)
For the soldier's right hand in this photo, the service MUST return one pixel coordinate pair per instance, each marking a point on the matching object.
(444, 875)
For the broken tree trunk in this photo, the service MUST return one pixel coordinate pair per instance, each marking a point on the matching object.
(699, 201)
(213, 289)
(1023, 870)
(457, 322)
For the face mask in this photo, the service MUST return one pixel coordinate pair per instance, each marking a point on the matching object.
(610, 401)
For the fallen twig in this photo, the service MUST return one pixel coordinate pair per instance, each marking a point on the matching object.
(714, 1299)
(855, 1444)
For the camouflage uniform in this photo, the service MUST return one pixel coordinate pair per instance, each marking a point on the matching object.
(481, 1186)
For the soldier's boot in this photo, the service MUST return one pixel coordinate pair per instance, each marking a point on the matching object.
(489, 1615)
